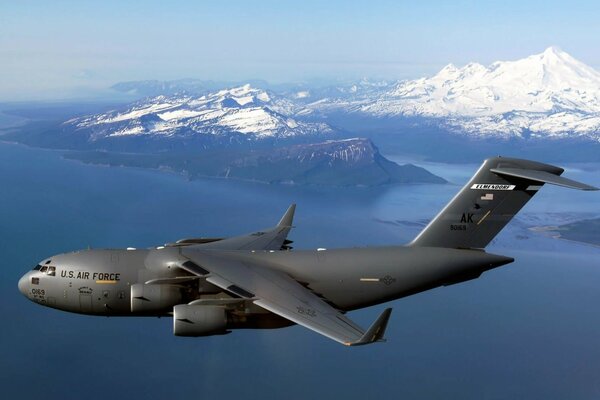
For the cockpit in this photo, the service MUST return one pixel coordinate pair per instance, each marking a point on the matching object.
(32, 279)
(46, 269)
(30, 283)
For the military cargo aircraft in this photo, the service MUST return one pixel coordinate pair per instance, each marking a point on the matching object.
(213, 285)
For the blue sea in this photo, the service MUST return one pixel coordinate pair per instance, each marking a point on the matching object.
(528, 330)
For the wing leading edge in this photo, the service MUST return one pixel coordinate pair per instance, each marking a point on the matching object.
(277, 292)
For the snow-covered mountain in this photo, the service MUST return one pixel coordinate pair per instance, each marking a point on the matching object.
(243, 110)
(545, 95)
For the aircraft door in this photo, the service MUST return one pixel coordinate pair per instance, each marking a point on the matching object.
(85, 302)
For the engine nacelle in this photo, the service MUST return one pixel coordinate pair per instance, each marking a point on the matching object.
(198, 320)
(154, 298)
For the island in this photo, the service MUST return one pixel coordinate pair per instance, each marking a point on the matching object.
(341, 163)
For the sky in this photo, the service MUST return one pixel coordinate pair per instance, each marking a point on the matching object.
(64, 49)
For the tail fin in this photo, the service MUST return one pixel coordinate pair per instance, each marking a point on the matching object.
(499, 189)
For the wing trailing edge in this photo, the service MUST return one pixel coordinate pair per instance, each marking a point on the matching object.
(279, 293)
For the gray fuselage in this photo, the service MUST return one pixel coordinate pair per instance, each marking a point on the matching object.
(99, 282)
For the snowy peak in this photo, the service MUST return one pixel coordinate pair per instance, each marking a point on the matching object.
(549, 94)
(241, 110)
(539, 83)
(242, 95)
(553, 56)
(552, 70)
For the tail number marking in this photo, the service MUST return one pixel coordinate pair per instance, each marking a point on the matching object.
(492, 186)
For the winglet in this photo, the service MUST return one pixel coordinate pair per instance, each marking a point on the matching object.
(288, 217)
(376, 331)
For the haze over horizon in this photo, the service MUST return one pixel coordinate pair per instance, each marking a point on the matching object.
(71, 49)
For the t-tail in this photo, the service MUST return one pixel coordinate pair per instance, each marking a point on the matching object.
(499, 189)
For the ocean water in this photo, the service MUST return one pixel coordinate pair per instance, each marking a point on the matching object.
(528, 330)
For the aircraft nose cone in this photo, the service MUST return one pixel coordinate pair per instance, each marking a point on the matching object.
(23, 283)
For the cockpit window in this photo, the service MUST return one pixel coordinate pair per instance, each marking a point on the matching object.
(46, 269)
(37, 267)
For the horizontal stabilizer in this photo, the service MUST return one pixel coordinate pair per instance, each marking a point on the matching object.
(542, 176)
(376, 331)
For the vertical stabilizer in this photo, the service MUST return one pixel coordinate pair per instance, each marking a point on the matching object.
(499, 189)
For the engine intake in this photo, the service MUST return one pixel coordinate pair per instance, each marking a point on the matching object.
(199, 320)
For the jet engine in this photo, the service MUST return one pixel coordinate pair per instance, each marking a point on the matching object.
(157, 299)
(199, 320)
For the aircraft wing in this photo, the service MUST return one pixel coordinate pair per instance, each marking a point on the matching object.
(274, 238)
(279, 293)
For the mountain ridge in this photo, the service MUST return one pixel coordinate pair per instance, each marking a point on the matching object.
(243, 110)
(550, 95)
(541, 98)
